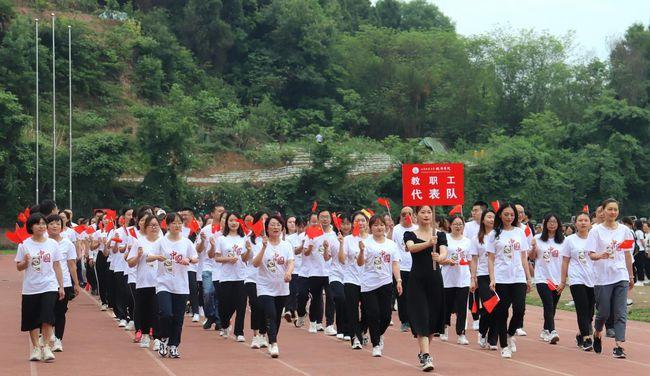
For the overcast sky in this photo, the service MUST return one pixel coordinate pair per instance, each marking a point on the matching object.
(595, 22)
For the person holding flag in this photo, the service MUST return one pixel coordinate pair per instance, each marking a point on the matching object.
(471, 231)
(405, 224)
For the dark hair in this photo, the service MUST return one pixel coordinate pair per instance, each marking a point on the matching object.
(132, 216)
(52, 218)
(357, 213)
(559, 236)
(590, 216)
(97, 211)
(226, 231)
(418, 208)
(321, 211)
(47, 207)
(482, 204)
(442, 224)
(149, 218)
(638, 225)
(454, 217)
(627, 221)
(609, 201)
(67, 216)
(286, 229)
(278, 217)
(170, 217)
(482, 231)
(82, 221)
(376, 218)
(34, 219)
(498, 224)
(187, 208)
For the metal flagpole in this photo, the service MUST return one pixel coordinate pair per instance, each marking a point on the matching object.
(37, 124)
(70, 112)
(53, 116)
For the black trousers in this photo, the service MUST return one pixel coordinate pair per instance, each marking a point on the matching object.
(91, 277)
(102, 272)
(60, 309)
(549, 302)
(271, 307)
(338, 295)
(585, 301)
(474, 299)
(121, 295)
(510, 294)
(352, 303)
(487, 323)
(641, 266)
(194, 292)
(377, 310)
(402, 309)
(302, 295)
(257, 314)
(171, 309)
(232, 298)
(146, 306)
(292, 299)
(456, 301)
(316, 287)
(111, 289)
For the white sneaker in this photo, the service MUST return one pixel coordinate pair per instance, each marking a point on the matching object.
(104, 307)
(475, 325)
(545, 335)
(196, 318)
(347, 338)
(129, 326)
(226, 333)
(201, 312)
(156, 344)
(145, 341)
(330, 331)
(376, 351)
(300, 322)
(630, 301)
(35, 355)
(255, 343)
(47, 353)
(521, 333)
(570, 303)
(493, 348)
(506, 353)
(553, 337)
(241, 339)
(122, 323)
(444, 337)
(263, 341)
(356, 345)
(319, 327)
(339, 336)
(274, 351)
(57, 346)
(512, 345)
(638, 283)
(381, 342)
(482, 341)
(221, 332)
(313, 327)
(391, 323)
(462, 340)
(40, 340)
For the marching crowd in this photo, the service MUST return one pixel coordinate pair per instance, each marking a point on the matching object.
(339, 274)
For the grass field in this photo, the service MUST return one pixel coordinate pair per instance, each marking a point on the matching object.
(7, 251)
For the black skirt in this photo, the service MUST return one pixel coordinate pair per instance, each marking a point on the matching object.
(426, 303)
(38, 309)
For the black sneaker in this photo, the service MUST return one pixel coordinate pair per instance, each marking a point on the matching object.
(163, 350)
(173, 352)
(598, 345)
(610, 333)
(618, 352)
(421, 359)
(208, 323)
(587, 344)
(579, 340)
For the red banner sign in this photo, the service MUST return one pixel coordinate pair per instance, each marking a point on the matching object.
(439, 184)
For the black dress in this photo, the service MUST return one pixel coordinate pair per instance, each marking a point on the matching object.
(425, 290)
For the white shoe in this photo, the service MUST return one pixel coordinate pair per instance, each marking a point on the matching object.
(391, 323)
(512, 345)
(545, 335)
(145, 341)
(104, 307)
(553, 337)
(35, 355)
(462, 340)
(319, 327)
(241, 339)
(263, 341)
(475, 325)
(300, 322)
(196, 318)
(570, 303)
(201, 312)
(330, 331)
(521, 333)
(40, 340)
(482, 341)
(226, 333)
(638, 283)
(47, 353)
(444, 337)
(339, 336)
(493, 348)
(274, 351)
(129, 326)
(122, 323)
(313, 327)
(347, 338)
(376, 351)
(57, 346)
(506, 353)
(156, 344)
(255, 343)
(630, 301)
(381, 342)
(356, 345)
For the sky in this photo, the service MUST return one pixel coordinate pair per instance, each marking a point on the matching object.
(596, 23)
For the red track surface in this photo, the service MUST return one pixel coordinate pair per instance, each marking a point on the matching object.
(94, 345)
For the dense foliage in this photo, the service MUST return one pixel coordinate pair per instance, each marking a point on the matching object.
(177, 83)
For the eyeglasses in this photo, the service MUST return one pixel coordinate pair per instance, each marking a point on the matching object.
(153, 225)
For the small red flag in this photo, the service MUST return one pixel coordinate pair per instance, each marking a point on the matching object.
(22, 217)
(87, 287)
(626, 244)
(132, 232)
(527, 230)
(163, 224)
(108, 227)
(90, 230)
(80, 228)
(384, 202)
(336, 221)
(243, 226)
(314, 231)
(19, 235)
(110, 214)
(551, 285)
(585, 209)
(116, 240)
(356, 230)
(456, 209)
(408, 220)
(314, 207)
(194, 226)
(495, 205)
(216, 227)
(474, 306)
(491, 303)
(121, 221)
(258, 227)
(370, 211)
(463, 262)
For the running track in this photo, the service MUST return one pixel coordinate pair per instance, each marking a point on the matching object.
(94, 345)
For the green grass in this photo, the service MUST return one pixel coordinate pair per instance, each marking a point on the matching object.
(7, 251)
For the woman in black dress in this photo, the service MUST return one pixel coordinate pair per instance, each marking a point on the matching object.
(425, 290)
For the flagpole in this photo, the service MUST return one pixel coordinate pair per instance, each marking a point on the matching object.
(70, 113)
(53, 115)
(37, 124)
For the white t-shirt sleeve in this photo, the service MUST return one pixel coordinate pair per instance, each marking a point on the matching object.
(20, 253)
(592, 242)
(490, 243)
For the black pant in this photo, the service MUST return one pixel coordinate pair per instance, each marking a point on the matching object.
(584, 300)
(232, 298)
(474, 300)
(402, 310)
(510, 294)
(171, 308)
(111, 289)
(377, 309)
(330, 306)
(60, 308)
(549, 302)
(456, 301)
(338, 295)
(101, 269)
(80, 276)
(352, 302)
(194, 292)
(132, 305)
(292, 299)
(316, 287)
(271, 307)
(257, 314)
(120, 295)
(91, 277)
(641, 266)
(487, 324)
(146, 306)
(302, 296)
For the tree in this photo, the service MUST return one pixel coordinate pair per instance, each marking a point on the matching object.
(388, 14)
(630, 62)
(421, 15)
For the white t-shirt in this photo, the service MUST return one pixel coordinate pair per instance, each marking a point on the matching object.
(270, 277)
(639, 240)
(70, 234)
(172, 276)
(353, 271)
(457, 275)
(231, 246)
(507, 251)
(186, 232)
(315, 265)
(251, 271)
(337, 270)
(68, 252)
(548, 265)
(581, 267)
(296, 240)
(406, 261)
(478, 249)
(146, 272)
(471, 229)
(601, 239)
(378, 268)
(130, 240)
(39, 276)
(119, 263)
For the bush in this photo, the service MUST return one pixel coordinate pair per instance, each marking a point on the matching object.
(271, 155)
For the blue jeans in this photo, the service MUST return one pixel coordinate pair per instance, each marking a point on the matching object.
(209, 297)
(171, 309)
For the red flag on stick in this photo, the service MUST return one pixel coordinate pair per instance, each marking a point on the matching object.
(491, 303)
(109, 227)
(314, 207)
(408, 220)
(22, 217)
(314, 231)
(456, 209)
(243, 226)
(258, 227)
(80, 228)
(551, 285)
(384, 202)
(495, 205)
(90, 230)
(355, 229)
(585, 209)
(474, 306)
(194, 226)
(216, 227)
(336, 221)
(133, 233)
